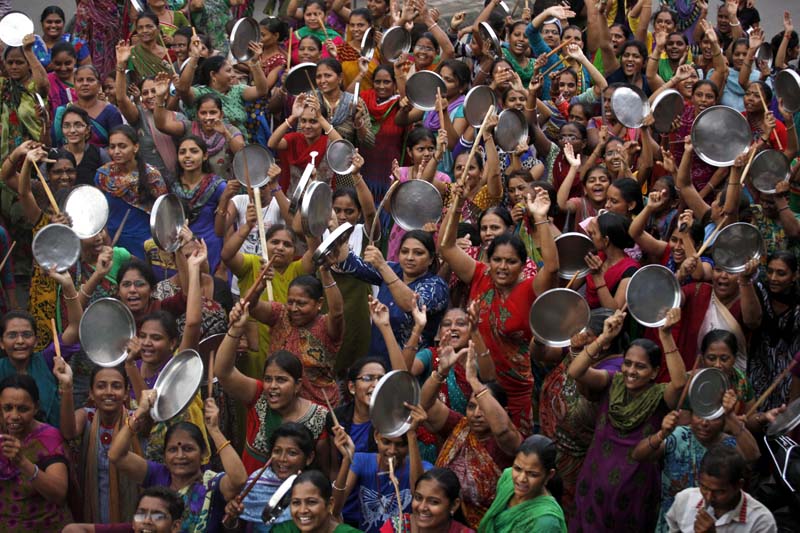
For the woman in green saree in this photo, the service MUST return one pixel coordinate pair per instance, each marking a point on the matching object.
(524, 501)
(148, 57)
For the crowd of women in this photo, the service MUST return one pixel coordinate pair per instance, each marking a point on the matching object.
(142, 99)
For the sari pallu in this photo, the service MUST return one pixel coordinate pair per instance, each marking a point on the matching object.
(146, 63)
(18, 119)
(525, 517)
(389, 136)
(98, 23)
(61, 94)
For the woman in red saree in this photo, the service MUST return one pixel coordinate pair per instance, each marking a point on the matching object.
(504, 301)
(611, 267)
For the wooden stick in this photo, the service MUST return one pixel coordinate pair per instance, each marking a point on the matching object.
(376, 220)
(747, 166)
(47, 190)
(335, 419)
(574, 277)
(557, 48)
(121, 227)
(289, 55)
(548, 71)
(194, 33)
(262, 236)
(767, 111)
(324, 30)
(396, 484)
(161, 40)
(711, 237)
(8, 254)
(242, 495)
(440, 109)
(771, 388)
(56, 343)
(210, 383)
(249, 294)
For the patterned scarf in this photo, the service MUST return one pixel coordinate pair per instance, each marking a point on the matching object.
(215, 141)
(455, 390)
(194, 199)
(627, 413)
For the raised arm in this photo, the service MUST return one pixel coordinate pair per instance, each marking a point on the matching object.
(333, 297)
(239, 386)
(654, 80)
(580, 369)
(462, 264)
(684, 180)
(71, 421)
(677, 370)
(124, 103)
(260, 86)
(446, 50)
(429, 395)
(788, 29)
(38, 73)
(365, 198)
(74, 309)
(165, 119)
(651, 448)
(654, 248)
(235, 474)
(120, 455)
(562, 196)
(194, 296)
(538, 207)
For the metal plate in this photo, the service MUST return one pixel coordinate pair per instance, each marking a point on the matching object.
(572, 249)
(331, 243)
(316, 209)
(652, 291)
(166, 220)
(706, 390)
(558, 314)
(787, 88)
(245, 31)
(629, 104)
(137, 6)
(88, 208)
(736, 245)
(105, 329)
(708, 140)
(511, 129)
(368, 44)
(176, 385)
(786, 421)
(415, 203)
(478, 101)
(667, 106)
(301, 79)
(764, 53)
(14, 27)
(204, 348)
(299, 191)
(56, 245)
(279, 501)
(386, 410)
(768, 168)
(395, 44)
(259, 159)
(339, 156)
(487, 34)
(421, 89)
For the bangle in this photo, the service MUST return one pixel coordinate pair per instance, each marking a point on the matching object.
(228, 333)
(395, 280)
(481, 393)
(541, 222)
(783, 208)
(129, 424)
(670, 351)
(329, 130)
(34, 475)
(88, 296)
(598, 287)
(592, 357)
(288, 124)
(650, 442)
(333, 484)
(529, 108)
(437, 376)
(64, 390)
(654, 58)
(732, 184)
(121, 68)
(734, 25)
(432, 25)
(329, 285)
(226, 443)
(69, 298)
(484, 354)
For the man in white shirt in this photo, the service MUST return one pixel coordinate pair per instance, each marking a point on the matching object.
(720, 505)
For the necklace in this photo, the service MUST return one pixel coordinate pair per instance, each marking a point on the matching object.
(332, 107)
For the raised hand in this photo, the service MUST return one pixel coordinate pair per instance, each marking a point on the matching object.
(418, 415)
(673, 317)
(239, 314)
(539, 204)
(419, 312)
(211, 414)
(613, 325)
(343, 442)
(569, 155)
(123, 50)
(378, 312)
(62, 371)
(669, 423)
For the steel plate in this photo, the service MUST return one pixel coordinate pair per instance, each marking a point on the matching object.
(421, 89)
(558, 314)
(166, 220)
(395, 44)
(787, 88)
(488, 34)
(706, 390)
(368, 44)
(414, 204)
(137, 6)
(629, 104)
(511, 129)
(331, 243)
(769, 167)
(315, 211)
(14, 27)
(176, 385)
(88, 208)
(301, 79)
(105, 329)
(478, 101)
(572, 249)
(736, 245)
(764, 53)
(667, 106)
(786, 421)
(279, 501)
(652, 291)
(56, 245)
(259, 159)
(339, 156)
(245, 31)
(719, 135)
(386, 410)
(299, 191)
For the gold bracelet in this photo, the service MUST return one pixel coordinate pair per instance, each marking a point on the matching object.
(481, 393)
(226, 443)
(395, 280)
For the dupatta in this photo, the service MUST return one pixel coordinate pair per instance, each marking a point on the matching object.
(500, 518)
(147, 63)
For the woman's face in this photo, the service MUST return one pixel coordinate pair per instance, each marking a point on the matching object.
(675, 47)
(685, 87)
(19, 339)
(182, 455)
(281, 248)
(146, 29)
(358, 25)
(395, 448)
(596, 186)
(422, 152)
(518, 189)
(134, 291)
(632, 61)
(383, 85)
(678, 249)
(108, 390)
(567, 85)
(309, 125)
(91, 247)
(108, 90)
(157, 4)
(517, 41)
(551, 34)
(725, 285)
(705, 430)
(613, 148)
(615, 202)
(53, 26)
(571, 134)
(288, 458)
(617, 38)
(16, 65)
(191, 156)
(377, 8)
(491, 226)
(529, 476)
(637, 371)
(62, 174)
(719, 355)
(280, 386)
(180, 45)
(600, 242)
(739, 55)
(501, 69)
(313, 17)
(703, 97)
(476, 418)
(780, 277)
(302, 308)
(505, 266)
(149, 94)
(327, 79)
(473, 172)
(63, 64)
(18, 412)
(414, 258)
(424, 53)
(608, 112)
(208, 114)
(86, 84)
(346, 210)
(575, 35)
(431, 507)
(310, 511)
(515, 100)
(308, 51)
(451, 82)
(454, 329)
(157, 347)
(365, 382)
(752, 99)
(121, 149)
(224, 77)
(664, 23)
